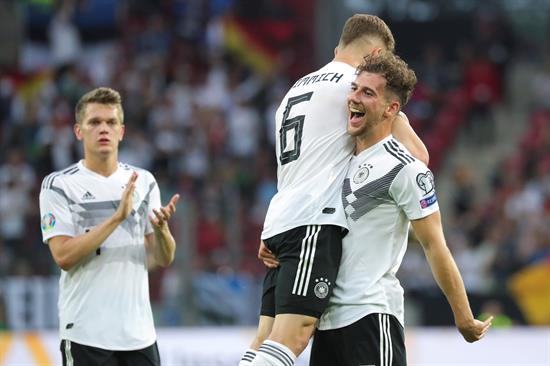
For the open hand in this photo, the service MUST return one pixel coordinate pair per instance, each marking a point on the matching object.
(162, 215)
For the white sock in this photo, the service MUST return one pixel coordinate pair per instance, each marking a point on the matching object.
(247, 358)
(273, 354)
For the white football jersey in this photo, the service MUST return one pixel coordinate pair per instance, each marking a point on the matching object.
(313, 150)
(384, 189)
(104, 299)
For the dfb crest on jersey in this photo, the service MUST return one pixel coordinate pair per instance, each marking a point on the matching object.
(362, 174)
(321, 288)
(425, 182)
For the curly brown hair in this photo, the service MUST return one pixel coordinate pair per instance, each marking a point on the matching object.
(101, 95)
(400, 78)
(361, 25)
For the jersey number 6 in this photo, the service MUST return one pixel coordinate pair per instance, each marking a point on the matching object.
(290, 134)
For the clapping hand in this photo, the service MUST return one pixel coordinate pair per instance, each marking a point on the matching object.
(162, 215)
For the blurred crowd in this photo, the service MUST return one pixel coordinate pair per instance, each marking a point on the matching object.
(201, 119)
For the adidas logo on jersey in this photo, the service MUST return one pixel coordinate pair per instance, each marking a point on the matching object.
(88, 196)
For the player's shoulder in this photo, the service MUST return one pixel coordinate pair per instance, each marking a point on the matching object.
(398, 153)
(59, 176)
(412, 168)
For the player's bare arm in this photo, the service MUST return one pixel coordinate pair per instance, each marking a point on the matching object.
(430, 234)
(404, 133)
(161, 243)
(68, 251)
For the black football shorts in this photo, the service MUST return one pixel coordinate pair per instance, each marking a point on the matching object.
(375, 340)
(309, 257)
(78, 354)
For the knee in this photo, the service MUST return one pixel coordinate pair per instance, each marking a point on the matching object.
(295, 339)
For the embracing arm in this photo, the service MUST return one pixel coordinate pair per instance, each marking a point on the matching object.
(430, 234)
(68, 251)
(404, 133)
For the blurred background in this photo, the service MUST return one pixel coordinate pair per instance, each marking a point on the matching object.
(200, 81)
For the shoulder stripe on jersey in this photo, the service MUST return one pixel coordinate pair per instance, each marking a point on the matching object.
(50, 184)
(396, 154)
(70, 168)
(307, 254)
(48, 181)
(402, 153)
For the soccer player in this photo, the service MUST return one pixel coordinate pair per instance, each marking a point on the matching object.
(385, 189)
(305, 221)
(101, 218)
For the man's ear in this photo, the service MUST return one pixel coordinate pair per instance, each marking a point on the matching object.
(392, 109)
(77, 131)
(122, 130)
(376, 51)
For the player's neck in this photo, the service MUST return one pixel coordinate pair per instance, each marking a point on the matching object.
(369, 139)
(102, 165)
(353, 54)
(348, 58)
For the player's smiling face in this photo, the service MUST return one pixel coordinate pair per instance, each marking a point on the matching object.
(101, 129)
(366, 103)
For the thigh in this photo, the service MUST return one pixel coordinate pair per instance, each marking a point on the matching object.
(148, 356)
(377, 339)
(78, 354)
(309, 257)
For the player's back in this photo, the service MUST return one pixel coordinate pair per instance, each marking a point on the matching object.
(313, 149)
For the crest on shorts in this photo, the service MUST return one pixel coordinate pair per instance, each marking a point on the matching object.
(322, 287)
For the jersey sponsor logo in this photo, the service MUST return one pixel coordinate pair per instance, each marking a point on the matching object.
(48, 222)
(427, 202)
(362, 174)
(88, 196)
(322, 286)
(425, 182)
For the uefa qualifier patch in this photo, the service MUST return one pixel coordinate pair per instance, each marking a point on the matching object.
(425, 182)
(47, 222)
(427, 202)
